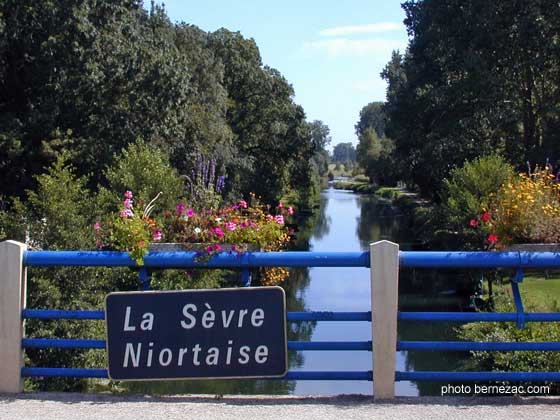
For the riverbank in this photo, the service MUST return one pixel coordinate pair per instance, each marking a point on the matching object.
(62, 406)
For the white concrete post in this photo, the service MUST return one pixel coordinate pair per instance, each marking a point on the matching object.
(12, 302)
(384, 260)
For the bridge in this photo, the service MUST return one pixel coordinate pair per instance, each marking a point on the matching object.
(383, 259)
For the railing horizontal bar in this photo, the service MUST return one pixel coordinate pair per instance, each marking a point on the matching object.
(329, 345)
(291, 316)
(477, 376)
(68, 372)
(61, 314)
(101, 344)
(478, 316)
(189, 259)
(329, 316)
(62, 343)
(458, 259)
(477, 346)
(102, 373)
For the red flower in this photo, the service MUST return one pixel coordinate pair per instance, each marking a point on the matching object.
(473, 223)
(485, 217)
(492, 238)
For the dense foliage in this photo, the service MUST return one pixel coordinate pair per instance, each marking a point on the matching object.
(476, 78)
(91, 77)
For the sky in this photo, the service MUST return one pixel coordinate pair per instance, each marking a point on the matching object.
(331, 51)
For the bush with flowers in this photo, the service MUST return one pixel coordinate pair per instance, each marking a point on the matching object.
(232, 228)
(131, 230)
(235, 228)
(524, 210)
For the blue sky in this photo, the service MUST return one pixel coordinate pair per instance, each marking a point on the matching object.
(331, 51)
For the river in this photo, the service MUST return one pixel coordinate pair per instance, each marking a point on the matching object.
(349, 222)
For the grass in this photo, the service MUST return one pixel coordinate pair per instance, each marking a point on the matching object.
(541, 292)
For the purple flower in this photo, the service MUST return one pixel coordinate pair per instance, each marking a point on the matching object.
(220, 183)
(243, 204)
(180, 208)
(230, 226)
(127, 213)
(209, 249)
(279, 219)
(218, 231)
(128, 203)
(157, 235)
(190, 213)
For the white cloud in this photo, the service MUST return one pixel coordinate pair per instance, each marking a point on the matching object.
(362, 29)
(343, 46)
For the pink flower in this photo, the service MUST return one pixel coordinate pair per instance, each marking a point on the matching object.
(485, 217)
(157, 235)
(244, 225)
(230, 226)
(252, 224)
(234, 207)
(218, 231)
(180, 208)
(218, 247)
(290, 211)
(279, 219)
(97, 226)
(128, 194)
(280, 205)
(243, 204)
(473, 223)
(210, 249)
(127, 213)
(190, 213)
(128, 203)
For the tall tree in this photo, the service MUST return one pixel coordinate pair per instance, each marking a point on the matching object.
(477, 77)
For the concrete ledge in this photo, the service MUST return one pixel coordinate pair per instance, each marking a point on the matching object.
(47, 406)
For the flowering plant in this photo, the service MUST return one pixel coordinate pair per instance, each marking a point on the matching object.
(237, 227)
(130, 231)
(527, 209)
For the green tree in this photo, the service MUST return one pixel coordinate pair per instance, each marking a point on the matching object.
(145, 170)
(344, 153)
(374, 155)
(476, 78)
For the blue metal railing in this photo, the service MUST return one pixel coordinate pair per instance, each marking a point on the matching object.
(517, 260)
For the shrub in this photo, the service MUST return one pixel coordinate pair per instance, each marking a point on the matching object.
(528, 361)
(527, 209)
(470, 187)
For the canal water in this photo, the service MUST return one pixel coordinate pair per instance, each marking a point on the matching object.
(349, 222)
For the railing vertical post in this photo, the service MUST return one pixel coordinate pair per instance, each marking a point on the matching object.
(384, 260)
(12, 302)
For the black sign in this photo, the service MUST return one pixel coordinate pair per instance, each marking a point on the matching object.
(195, 334)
